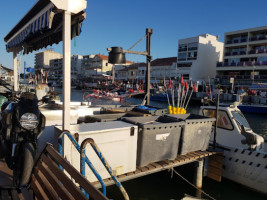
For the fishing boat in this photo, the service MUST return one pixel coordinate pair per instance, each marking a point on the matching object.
(245, 156)
(113, 95)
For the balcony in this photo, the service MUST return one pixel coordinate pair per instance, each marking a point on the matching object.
(258, 37)
(235, 53)
(240, 64)
(192, 48)
(257, 51)
(241, 79)
(236, 41)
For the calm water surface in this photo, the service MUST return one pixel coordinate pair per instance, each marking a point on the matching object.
(162, 185)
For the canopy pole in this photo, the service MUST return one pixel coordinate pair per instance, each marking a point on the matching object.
(66, 68)
(15, 70)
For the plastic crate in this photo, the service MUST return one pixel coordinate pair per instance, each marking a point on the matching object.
(158, 138)
(150, 110)
(100, 118)
(196, 132)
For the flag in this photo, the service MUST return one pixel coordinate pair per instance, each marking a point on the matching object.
(182, 81)
(195, 88)
(170, 84)
(186, 85)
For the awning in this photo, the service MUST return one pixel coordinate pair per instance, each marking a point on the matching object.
(40, 27)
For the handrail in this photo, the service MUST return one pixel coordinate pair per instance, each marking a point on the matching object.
(103, 160)
(77, 146)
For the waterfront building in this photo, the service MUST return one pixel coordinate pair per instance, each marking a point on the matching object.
(43, 58)
(197, 57)
(6, 73)
(163, 67)
(56, 68)
(95, 65)
(160, 68)
(245, 57)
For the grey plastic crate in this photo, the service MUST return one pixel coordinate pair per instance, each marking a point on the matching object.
(158, 138)
(196, 132)
(158, 111)
(100, 118)
(117, 109)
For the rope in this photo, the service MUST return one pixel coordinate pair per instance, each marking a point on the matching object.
(137, 42)
(173, 170)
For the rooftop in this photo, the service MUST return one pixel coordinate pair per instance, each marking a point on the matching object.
(164, 61)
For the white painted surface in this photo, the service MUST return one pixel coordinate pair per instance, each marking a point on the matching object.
(115, 142)
(209, 52)
(66, 68)
(15, 68)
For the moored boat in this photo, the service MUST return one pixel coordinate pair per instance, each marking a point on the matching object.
(244, 151)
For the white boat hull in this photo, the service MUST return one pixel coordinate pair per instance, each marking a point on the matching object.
(246, 167)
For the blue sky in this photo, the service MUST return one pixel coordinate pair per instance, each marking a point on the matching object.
(123, 22)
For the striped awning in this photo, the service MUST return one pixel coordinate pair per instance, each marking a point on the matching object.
(37, 25)
(40, 27)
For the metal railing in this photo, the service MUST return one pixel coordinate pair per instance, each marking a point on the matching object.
(77, 146)
(84, 159)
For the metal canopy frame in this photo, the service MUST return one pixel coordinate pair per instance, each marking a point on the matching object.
(67, 17)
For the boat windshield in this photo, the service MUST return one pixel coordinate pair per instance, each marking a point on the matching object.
(241, 120)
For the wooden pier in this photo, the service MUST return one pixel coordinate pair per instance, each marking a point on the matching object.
(158, 166)
(7, 191)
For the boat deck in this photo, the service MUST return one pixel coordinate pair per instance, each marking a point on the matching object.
(158, 166)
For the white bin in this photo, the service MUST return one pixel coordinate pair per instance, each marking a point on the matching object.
(117, 141)
(54, 118)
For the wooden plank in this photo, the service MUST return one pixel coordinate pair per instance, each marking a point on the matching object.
(48, 189)
(215, 164)
(14, 194)
(143, 169)
(38, 190)
(150, 167)
(130, 174)
(4, 194)
(214, 170)
(156, 165)
(215, 177)
(88, 187)
(56, 184)
(69, 185)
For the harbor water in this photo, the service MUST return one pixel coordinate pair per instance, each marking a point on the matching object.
(167, 185)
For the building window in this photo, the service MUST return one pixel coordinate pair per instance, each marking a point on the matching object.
(182, 47)
(181, 56)
(192, 46)
(192, 55)
(106, 64)
(184, 65)
(223, 119)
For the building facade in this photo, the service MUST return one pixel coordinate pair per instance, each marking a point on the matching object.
(95, 65)
(197, 57)
(56, 68)
(245, 57)
(163, 68)
(42, 59)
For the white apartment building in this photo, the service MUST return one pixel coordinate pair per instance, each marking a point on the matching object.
(245, 57)
(56, 68)
(42, 59)
(197, 57)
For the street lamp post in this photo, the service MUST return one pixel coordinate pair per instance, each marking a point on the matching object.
(117, 56)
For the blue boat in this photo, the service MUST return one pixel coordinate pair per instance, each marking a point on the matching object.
(253, 108)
